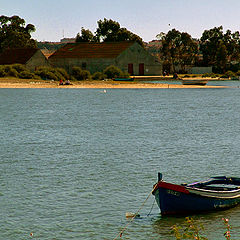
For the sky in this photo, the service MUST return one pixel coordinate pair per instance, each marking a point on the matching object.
(55, 19)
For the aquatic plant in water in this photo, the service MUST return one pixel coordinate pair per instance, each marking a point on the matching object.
(227, 234)
(193, 231)
(190, 231)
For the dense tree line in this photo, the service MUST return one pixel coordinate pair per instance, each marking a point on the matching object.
(57, 74)
(218, 49)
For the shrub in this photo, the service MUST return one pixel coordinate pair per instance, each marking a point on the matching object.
(112, 72)
(52, 76)
(207, 74)
(51, 73)
(2, 71)
(228, 74)
(10, 71)
(80, 74)
(76, 71)
(211, 75)
(238, 73)
(124, 75)
(57, 74)
(19, 67)
(98, 76)
(63, 72)
(86, 75)
(26, 75)
(46, 73)
(72, 78)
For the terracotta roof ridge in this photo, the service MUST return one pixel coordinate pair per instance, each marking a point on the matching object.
(92, 50)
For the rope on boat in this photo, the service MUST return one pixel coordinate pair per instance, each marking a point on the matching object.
(151, 207)
(122, 231)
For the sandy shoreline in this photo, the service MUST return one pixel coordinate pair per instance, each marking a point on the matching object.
(30, 83)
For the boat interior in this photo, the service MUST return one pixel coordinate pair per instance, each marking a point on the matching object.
(218, 188)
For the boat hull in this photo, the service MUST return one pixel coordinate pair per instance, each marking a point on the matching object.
(124, 79)
(176, 199)
(194, 82)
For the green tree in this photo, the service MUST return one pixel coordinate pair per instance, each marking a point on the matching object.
(209, 43)
(107, 30)
(86, 36)
(125, 35)
(14, 33)
(178, 48)
(188, 51)
(214, 53)
(221, 57)
(110, 31)
(235, 54)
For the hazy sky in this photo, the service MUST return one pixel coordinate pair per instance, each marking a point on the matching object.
(54, 19)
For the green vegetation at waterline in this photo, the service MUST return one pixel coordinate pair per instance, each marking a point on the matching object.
(16, 70)
(57, 74)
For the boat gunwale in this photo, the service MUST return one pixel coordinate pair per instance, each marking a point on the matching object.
(206, 192)
(195, 188)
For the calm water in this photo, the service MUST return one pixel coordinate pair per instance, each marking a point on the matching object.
(74, 161)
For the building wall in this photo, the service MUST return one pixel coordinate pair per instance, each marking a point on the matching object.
(133, 55)
(137, 55)
(200, 70)
(37, 60)
(91, 64)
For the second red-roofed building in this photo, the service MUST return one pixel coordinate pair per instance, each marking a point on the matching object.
(95, 57)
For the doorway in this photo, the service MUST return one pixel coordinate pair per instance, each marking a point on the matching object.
(141, 69)
(130, 69)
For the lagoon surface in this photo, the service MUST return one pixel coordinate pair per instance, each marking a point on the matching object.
(74, 161)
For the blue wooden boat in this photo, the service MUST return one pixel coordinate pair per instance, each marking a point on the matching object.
(201, 82)
(124, 79)
(213, 194)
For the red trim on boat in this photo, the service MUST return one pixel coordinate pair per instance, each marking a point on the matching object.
(174, 187)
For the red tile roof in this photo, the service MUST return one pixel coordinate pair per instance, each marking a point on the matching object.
(91, 50)
(18, 55)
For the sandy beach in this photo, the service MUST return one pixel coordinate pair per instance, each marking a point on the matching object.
(31, 83)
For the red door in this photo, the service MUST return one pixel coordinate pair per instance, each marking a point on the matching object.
(141, 69)
(130, 69)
